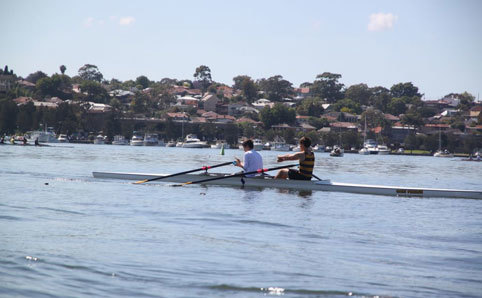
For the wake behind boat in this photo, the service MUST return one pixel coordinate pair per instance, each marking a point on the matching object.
(324, 185)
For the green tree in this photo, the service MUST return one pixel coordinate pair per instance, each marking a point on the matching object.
(248, 89)
(276, 115)
(380, 98)
(466, 101)
(318, 122)
(90, 72)
(62, 69)
(347, 105)
(143, 81)
(57, 85)
(413, 118)
(276, 87)
(310, 107)
(359, 93)
(397, 106)
(95, 91)
(404, 89)
(203, 75)
(34, 77)
(326, 86)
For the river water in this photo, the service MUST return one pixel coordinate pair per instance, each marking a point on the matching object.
(66, 234)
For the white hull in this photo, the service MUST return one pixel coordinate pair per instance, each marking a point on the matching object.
(99, 142)
(443, 154)
(258, 147)
(383, 152)
(194, 145)
(120, 143)
(324, 185)
(363, 151)
(137, 143)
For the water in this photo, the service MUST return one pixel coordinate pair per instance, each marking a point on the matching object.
(66, 234)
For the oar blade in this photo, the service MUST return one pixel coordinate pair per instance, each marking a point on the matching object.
(140, 182)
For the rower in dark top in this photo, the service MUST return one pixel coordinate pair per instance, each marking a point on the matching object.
(307, 162)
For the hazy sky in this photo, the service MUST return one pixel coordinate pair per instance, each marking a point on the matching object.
(437, 45)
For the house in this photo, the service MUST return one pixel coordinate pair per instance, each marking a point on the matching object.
(98, 108)
(391, 118)
(226, 91)
(305, 127)
(247, 120)
(188, 100)
(342, 116)
(434, 127)
(26, 84)
(343, 126)
(22, 100)
(261, 103)
(50, 105)
(399, 132)
(302, 93)
(209, 102)
(177, 117)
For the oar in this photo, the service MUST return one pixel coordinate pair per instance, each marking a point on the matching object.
(258, 171)
(186, 172)
(316, 177)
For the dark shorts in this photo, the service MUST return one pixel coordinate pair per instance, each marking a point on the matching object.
(295, 175)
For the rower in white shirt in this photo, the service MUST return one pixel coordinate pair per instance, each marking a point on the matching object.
(252, 159)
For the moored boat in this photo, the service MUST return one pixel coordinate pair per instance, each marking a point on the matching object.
(193, 142)
(324, 185)
(99, 139)
(383, 150)
(119, 140)
(137, 139)
(151, 139)
(257, 145)
(63, 138)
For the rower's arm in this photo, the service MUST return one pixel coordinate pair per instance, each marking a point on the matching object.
(295, 156)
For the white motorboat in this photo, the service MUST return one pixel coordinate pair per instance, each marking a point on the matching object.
(193, 142)
(43, 136)
(323, 185)
(151, 139)
(171, 144)
(63, 138)
(99, 140)
(371, 146)
(119, 140)
(279, 144)
(383, 150)
(257, 145)
(137, 139)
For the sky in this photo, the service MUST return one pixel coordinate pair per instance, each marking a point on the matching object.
(436, 45)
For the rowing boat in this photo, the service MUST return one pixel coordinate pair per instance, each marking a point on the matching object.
(323, 185)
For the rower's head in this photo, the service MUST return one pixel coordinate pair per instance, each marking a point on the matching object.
(248, 145)
(305, 143)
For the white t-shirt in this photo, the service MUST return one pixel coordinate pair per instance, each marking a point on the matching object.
(252, 162)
